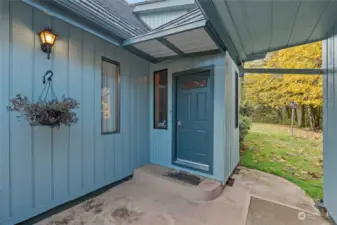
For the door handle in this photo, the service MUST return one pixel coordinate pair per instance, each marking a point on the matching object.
(179, 123)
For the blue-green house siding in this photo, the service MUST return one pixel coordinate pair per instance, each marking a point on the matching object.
(41, 167)
(330, 123)
(226, 136)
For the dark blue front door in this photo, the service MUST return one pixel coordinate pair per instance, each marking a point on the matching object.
(194, 121)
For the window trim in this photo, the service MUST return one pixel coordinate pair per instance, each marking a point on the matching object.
(154, 100)
(105, 59)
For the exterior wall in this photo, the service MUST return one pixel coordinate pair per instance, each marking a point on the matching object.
(41, 167)
(232, 153)
(330, 123)
(161, 140)
(156, 19)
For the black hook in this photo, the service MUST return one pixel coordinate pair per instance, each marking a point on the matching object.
(49, 78)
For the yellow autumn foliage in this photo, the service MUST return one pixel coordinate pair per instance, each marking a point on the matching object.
(279, 90)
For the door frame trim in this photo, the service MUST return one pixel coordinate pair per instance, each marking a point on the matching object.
(175, 75)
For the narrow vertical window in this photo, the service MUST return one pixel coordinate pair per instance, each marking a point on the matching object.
(160, 99)
(110, 96)
(236, 100)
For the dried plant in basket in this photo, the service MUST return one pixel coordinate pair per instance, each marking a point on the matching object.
(53, 113)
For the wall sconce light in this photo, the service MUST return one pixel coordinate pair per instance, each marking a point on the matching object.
(48, 39)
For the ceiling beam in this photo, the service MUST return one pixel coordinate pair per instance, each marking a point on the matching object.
(140, 53)
(213, 16)
(171, 46)
(255, 56)
(215, 37)
(284, 71)
(194, 54)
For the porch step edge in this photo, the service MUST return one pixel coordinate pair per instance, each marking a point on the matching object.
(153, 175)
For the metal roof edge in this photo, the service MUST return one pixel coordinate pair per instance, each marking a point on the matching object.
(160, 6)
(180, 18)
(100, 15)
(76, 20)
(145, 2)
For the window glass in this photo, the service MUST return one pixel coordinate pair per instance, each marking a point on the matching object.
(109, 96)
(160, 99)
(195, 84)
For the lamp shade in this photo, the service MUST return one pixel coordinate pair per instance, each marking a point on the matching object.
(47, 37)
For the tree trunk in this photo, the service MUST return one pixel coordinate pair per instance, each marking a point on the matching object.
(317, 118)
(285, 115)
(242, 89)
(300, 115)
(280, 115)
(311, 117)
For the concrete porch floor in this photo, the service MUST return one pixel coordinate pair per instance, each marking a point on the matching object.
(142, 203)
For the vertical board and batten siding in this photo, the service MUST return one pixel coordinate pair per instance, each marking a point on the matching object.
(154, 20)
(41, 167)
(232, 153)
(330, 123)
(161, 140)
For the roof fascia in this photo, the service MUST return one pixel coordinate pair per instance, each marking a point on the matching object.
(163, 33)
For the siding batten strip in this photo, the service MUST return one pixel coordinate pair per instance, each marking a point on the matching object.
(82, 109)
(10, 79)
(33, 99)
(68, 129)
(52, 194)
(94, 118)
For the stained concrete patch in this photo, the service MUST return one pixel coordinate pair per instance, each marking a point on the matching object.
(262, 212)
(63, 221)
(122, 214)
(93, 205)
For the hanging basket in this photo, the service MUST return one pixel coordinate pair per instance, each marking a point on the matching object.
(52, 118)
(51, 113)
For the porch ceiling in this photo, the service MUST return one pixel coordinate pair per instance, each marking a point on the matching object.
(250, 28)
(187, 35)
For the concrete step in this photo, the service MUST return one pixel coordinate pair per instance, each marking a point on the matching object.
(153, 175)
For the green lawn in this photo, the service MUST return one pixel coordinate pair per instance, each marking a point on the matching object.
(270, 148)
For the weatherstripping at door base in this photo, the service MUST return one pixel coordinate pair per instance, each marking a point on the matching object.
(176, 161)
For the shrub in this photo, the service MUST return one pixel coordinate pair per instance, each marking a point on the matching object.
(244, 126)
(246, 109)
